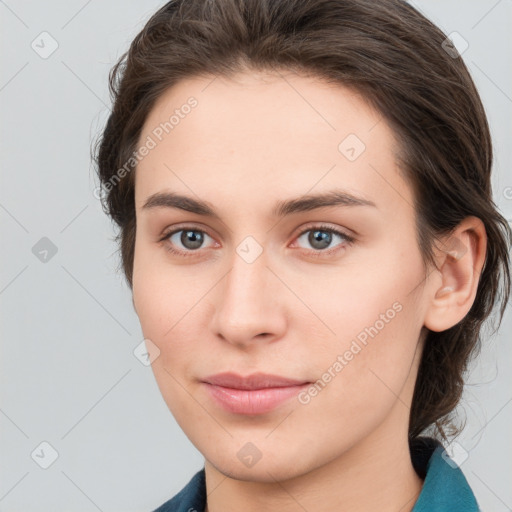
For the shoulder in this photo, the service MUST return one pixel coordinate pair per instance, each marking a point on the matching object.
(192, 498)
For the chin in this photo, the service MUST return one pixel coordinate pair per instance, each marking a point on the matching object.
(262, 472)
(274, 464)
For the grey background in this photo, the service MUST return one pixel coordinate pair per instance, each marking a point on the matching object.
(68, 373)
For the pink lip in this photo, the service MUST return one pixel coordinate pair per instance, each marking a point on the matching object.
(255, 394)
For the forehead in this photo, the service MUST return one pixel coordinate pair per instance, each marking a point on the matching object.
(257, 136)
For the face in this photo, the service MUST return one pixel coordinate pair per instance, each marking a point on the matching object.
(253, 273)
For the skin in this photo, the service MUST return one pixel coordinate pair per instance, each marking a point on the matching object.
(251, 141)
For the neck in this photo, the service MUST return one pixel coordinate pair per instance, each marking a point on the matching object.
(376, 474)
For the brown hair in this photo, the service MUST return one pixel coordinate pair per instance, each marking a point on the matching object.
(400, 63)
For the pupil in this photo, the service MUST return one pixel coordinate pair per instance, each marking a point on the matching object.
(193, 238)
(320, 236)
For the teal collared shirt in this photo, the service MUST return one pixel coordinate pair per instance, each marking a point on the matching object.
(445, 488)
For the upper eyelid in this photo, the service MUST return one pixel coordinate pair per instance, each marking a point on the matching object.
(323, 226)
(177, 228)
(312, 225)
(318, 225)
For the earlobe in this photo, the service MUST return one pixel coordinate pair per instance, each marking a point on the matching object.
(461, 259)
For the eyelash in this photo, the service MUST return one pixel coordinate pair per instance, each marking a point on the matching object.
(316, 253)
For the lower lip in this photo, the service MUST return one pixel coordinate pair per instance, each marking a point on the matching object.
(255, 401)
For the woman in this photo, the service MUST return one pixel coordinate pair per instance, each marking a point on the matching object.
(303, 190)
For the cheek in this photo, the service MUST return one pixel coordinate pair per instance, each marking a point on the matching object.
(374, 322)
(168, 302)
(157, 292)
(162, 313)
(162, 310)
(362, 301)
(359, 383)
(158, 300)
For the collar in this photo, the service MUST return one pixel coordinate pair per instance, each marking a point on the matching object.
(445, 489)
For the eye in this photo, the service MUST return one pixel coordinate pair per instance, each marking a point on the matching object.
(321, 237)
(190, 238)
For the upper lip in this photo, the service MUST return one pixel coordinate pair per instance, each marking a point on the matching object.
(253, 381)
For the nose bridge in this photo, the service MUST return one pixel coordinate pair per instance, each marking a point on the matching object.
(245, 284)
(245, 307)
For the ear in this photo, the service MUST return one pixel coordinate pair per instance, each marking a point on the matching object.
(460, 258)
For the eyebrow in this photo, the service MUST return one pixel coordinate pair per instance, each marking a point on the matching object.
(281, 209)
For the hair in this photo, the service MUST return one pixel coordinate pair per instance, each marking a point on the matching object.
(399, 62)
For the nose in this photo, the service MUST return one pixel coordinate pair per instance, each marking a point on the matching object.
(249, 304)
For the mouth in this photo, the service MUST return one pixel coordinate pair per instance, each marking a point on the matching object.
(254, 394)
